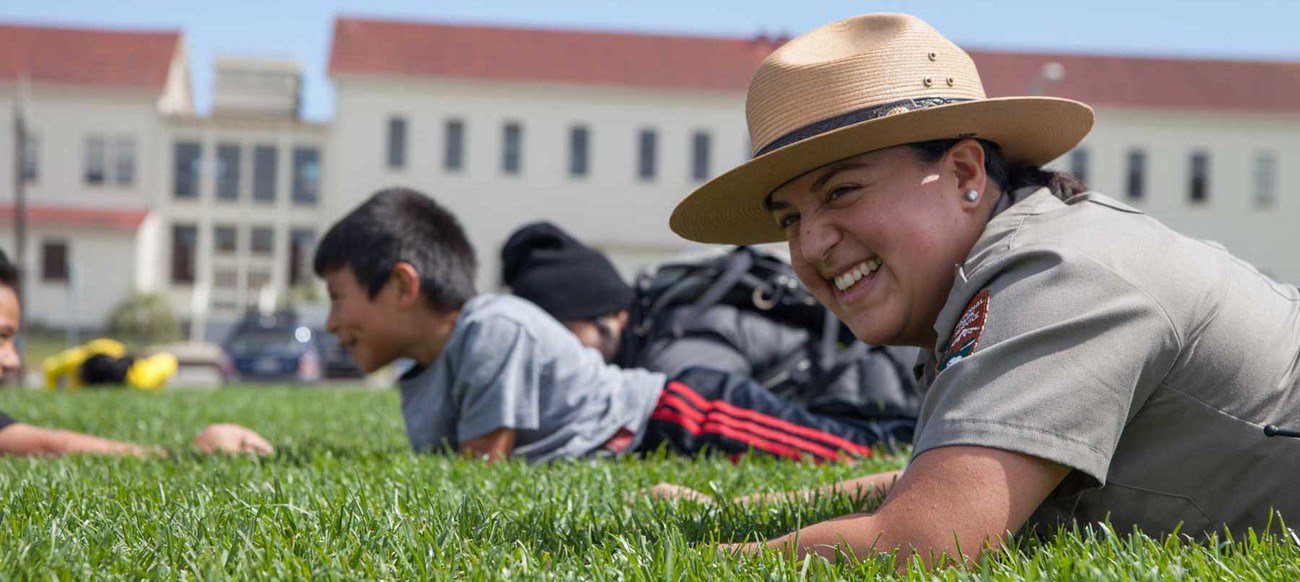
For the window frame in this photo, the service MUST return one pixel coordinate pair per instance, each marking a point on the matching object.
(61, 273)
(397, 136)
(1135, 174)
(647, 154)
(268, 194)
(512, 148)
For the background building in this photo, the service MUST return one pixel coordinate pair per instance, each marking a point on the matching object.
(94, 103)
(242, 204)
(129, 189)
(604, 133)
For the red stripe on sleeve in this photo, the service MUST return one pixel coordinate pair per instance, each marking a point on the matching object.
(834, 440)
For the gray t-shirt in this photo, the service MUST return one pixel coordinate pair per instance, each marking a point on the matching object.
(508, 364)
(1089, 334)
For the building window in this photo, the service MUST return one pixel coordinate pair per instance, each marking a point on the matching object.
(124, 163)
(306, 175)
(227, 239)
(31, 158)
(512, 136)
(1137, 174)
(95, 164)
(1079, 164)
(258, 278)
(122, 154)
(226, 278)
(228, 171)
(263, 242)
(54, 261)
(186, 157)
(184, 244)
(1265, 180)
(453, 153)
(1199, 184)
(700, 156)
(264, 166)
(396, 143)
(647, 143)
(578, 137)
(302, 243)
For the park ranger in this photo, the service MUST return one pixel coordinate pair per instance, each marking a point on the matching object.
(1083, 361)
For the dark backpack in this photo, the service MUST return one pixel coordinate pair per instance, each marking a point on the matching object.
(830, 372)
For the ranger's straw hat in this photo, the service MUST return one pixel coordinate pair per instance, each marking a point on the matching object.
(856, 86)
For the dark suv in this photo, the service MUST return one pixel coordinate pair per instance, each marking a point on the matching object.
(279, 347)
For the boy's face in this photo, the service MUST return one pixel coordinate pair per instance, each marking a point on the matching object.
(396, 323)
(366, 327)
(9, 322)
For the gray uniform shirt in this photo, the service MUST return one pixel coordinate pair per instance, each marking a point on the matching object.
(1089, 334)
(508, 364)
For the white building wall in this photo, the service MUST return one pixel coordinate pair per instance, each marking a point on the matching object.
(62, 118)
(177, 97)
(611, 207)
(616, 211)
(1262, 235)
(100, 264)
(226, 301)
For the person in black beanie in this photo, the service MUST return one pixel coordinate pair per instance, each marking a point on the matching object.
(578, 286)
(574, 283)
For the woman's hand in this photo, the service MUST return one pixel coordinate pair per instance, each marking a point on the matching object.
(231, 438)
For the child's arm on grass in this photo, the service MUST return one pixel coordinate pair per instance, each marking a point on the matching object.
(231, 438)
(27, 440)
(491, 447)
(956, 500)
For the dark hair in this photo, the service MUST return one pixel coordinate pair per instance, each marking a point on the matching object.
(402, 225)
(1008, 176)
(8, 272)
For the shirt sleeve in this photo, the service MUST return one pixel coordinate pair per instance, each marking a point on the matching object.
(497, 379)
(1065, 352)
(6, 420)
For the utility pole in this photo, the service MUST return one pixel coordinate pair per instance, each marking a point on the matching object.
(20, 217)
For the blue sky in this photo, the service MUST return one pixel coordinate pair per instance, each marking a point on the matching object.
(301, 28)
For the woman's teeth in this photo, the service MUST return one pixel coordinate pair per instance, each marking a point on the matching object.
(852, 276)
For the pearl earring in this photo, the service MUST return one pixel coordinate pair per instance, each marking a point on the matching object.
(972, 195)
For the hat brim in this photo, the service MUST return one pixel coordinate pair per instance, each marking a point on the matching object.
(729, 209)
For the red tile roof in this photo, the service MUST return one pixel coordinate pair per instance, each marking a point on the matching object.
(87, 56)
(129, 218)
(594, 58)
(1260, 86)
(364, 46)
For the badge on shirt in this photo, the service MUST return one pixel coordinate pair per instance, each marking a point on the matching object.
(966, 335)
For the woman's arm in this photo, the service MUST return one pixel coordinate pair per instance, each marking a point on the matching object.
(956, 500)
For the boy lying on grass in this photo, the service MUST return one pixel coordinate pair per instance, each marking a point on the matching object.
(497, 376)
(18, 438)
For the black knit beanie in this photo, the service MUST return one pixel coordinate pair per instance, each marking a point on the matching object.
(566, 278)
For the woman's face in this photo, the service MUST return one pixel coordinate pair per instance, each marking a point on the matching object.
(876, 237)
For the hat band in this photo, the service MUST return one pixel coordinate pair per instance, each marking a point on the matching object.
(854, 117)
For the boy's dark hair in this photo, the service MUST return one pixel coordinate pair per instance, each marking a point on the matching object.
(8, 272)
(402, 225)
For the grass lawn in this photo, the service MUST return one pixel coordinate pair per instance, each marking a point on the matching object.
(344, 498)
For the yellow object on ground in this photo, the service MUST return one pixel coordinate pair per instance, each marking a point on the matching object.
(152, 372)
(67, 363)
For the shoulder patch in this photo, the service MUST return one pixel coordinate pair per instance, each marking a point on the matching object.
(966, 334)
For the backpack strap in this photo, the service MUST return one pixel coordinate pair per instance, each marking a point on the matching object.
(734, 268)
